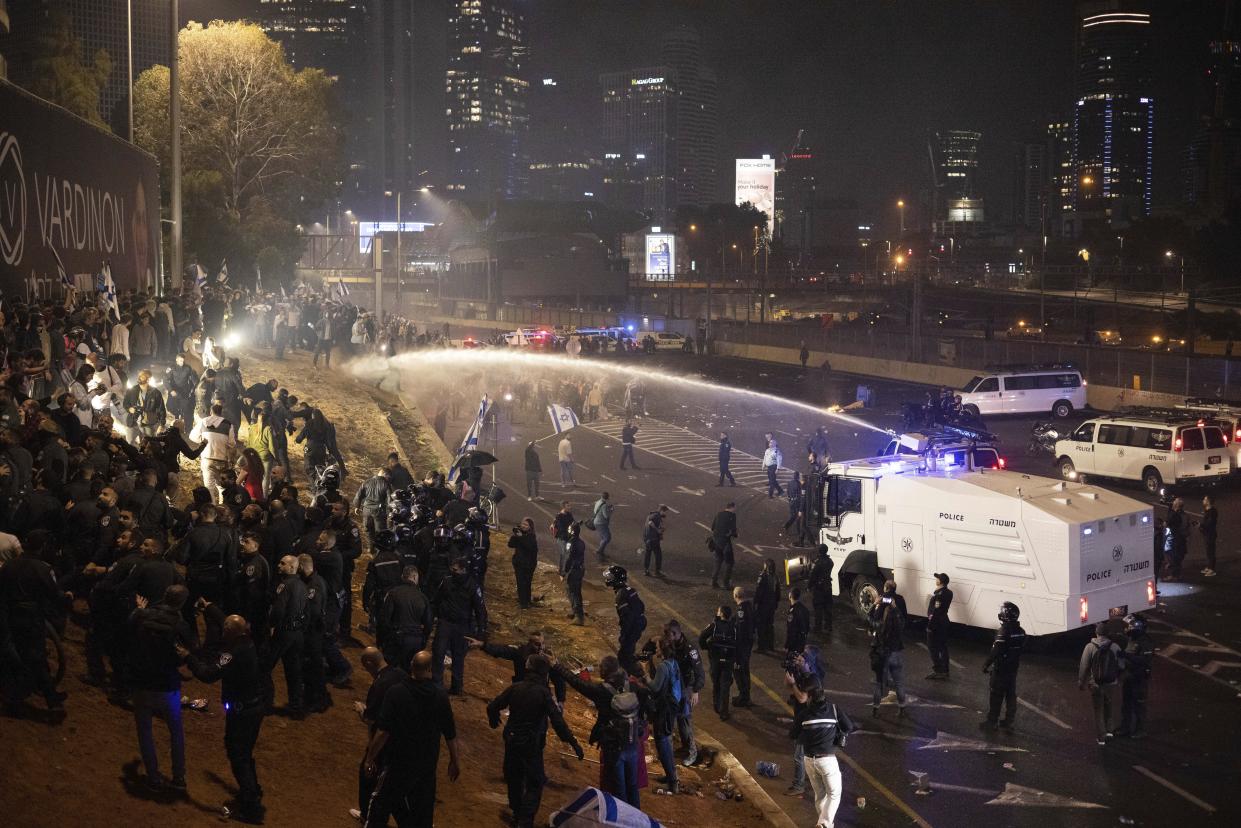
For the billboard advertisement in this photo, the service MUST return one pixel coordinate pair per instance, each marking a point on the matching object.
(661, 257)
(756, 184)
(70, 189)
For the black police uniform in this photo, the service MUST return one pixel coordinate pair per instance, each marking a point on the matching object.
(314, 676)
(383, 572)
(29, 596)
(414, 714)
(937, 630)
(653, 539)
(723, 530)
(288, 624)
(458, 600)
(1135, 684)
(743, 621)
(574, 570)
(518, 655)
(349, 545)
(209, 553)
(797, 627)
(719, 639)
(330, 564)
(631, 613)
(821, 592)
(525, 561)
(404, 624)
(385, 679)
(253, 590)
(726, 454)
(1003, 662)
(531, 707)
(766, 601)
(245, 703)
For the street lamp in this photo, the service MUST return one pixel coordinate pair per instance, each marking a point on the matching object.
(900, 205)
(1169, 255)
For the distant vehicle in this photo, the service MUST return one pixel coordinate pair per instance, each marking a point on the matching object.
(958, 447)
(1155, 446)
(1043, 438)
(535, 338)
(1033, 389)
(1224, 413)
(1023, 331)
(1066, 553)
(671, 341)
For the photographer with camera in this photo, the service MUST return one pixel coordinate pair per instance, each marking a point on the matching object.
(887, 658)
(819, 727)
(525, 548)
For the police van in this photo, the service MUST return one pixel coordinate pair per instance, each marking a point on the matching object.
(1159, 447)
(1226, 414)
(955, 445)
(1068, 554)
(1026, 389)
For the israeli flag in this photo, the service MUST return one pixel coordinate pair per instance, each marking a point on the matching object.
(60, 266)
(470, 441)
(563, 417)
(200, 277)
(342, 290)
(222, 276)
(109, 291)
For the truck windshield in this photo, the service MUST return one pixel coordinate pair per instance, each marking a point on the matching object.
(971, 385)
(843, 496)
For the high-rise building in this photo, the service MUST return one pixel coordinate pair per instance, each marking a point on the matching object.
(1060, 169)
(1031, 183)
(796, 192)
(98, 24)
(639, 140)
(954, 170)
(697, 118)
(4, 30)
(1211, 163)
(564, 162)
(387, 58)
(1114, 115)
(487, 99)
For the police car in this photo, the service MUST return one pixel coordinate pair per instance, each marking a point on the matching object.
(955, 445)
(1155, 446)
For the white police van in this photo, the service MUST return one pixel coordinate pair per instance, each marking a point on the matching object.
(1026, 389)
(1224, 413)
(1155, 446)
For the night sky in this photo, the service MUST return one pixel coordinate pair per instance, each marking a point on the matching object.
(868, 79)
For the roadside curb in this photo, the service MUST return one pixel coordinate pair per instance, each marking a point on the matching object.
(425, 428)
(746, 782)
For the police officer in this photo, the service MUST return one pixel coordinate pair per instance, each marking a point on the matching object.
(1002, 664)
(1139, 657)
(383, 572)
(693, 679)
(253, 582)
(404, 620)
(821, 590)
(719, 639)
(573, 570)
(459, 609)
(723, 530)
(937, 627)
(531, 707)
(286, 627)
(630, 613)
(236, 667)
(743, 620)
(652, 539)
(349, 545)
(314, 676)
(478, 550)
(519, 655)
(209, 553)
(796, 623)
(29, 596)
(726, 454)
(372, 500)
(766, 602)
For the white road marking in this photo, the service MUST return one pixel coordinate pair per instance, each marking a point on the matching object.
(673, 509)
(951, 741)
(695, 492)
(638, 493)
(1020, 795)
(745, 548)
(609, 479)
(1208, 657)
(1176, 789)
(703, 525)
(1028, 706)
(581, 466)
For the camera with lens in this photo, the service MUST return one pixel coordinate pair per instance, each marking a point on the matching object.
(648, 650)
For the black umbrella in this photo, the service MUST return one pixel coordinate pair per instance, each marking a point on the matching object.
(475, 458)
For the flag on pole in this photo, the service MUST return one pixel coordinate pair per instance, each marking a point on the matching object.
(222, 276)
(470, 441)
(563, 417)
(60, 266)
(109, 291)
(258, 279)
(32, 288)
(342, 290)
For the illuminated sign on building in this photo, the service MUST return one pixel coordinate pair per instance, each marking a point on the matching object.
(644, 81)
(660, 257)
(756, 184)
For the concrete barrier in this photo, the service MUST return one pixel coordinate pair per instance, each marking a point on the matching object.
(1102, 397)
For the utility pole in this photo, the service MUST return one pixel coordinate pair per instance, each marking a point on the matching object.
(129, 62)
(915, 318)
(1191, 332)
(174, 118)
(400, 261)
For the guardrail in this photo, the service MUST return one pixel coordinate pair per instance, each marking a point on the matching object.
(1124, 368)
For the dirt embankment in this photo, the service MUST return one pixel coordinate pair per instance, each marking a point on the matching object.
(85, 770)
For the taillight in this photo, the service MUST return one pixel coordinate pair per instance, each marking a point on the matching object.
(1084, 613)
(1150, 593)
(1237, 436)
(1176, 444)
(1003, 462)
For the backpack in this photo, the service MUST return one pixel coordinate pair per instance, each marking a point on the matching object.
(622, 727)
(1105, 668)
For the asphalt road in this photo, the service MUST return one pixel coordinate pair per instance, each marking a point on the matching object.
(1050, 767)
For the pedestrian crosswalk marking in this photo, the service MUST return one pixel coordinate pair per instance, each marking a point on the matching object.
(1197, 653)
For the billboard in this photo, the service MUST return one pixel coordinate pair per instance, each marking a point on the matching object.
(69, 187)
(661, 257)
(756, 184)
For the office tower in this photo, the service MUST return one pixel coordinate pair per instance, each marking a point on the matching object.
(1114, 115)
(1211, 163)
(954, 169)
(98, 24)
(796, 191)
(1031, 183)
(639, 138)
(697, 173)
(487, 99)
(564, 164)
(4, 30)
(1060, 170)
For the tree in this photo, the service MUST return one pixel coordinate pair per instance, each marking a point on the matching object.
(261, 147)
(59, 74)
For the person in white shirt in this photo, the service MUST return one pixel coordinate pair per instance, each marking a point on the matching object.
(120, 338)
(772, 458)
(565, 452)
(220, 437)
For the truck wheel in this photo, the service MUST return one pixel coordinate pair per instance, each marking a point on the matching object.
(1067, 469)
(971, 409)
(1062, 409)
(1152, 481)
(865, 593)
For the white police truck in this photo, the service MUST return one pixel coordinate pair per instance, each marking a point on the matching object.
(1068, 554)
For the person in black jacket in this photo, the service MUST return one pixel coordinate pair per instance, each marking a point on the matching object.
(519, 655)
(719, 639)
(149, 505)
(616, 732)
(887, 619)
(314, 676)
(152, 576)
(285, 635)
(726, 454)
(743, 621)
(1003, 663)
(329, 563)
(236, 667)
(531, 707)
(821, 590)
(766, 602)
(181, 380)
(253, 582)
(458, 601)
(157, 631)
(383, 572)
(1209, 528)
(1178, 540)
(525, 548)
(817, 727)
(573, 570)
(144, 407)
(796, 623)
(937, 625)
(723, 530)
(630, 615)
(209, 553)
(404, 620)
(29, 598)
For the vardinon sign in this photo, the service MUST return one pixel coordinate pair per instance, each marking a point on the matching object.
(70, 187)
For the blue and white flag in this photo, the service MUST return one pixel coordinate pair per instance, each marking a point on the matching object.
(563, 417)
(200, 277)
(258, 279)
(109, 291)
(60, 267)
(342, 289)
(222, 276)
(470, 441)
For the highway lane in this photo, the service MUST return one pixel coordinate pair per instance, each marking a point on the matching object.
(1189, 751)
